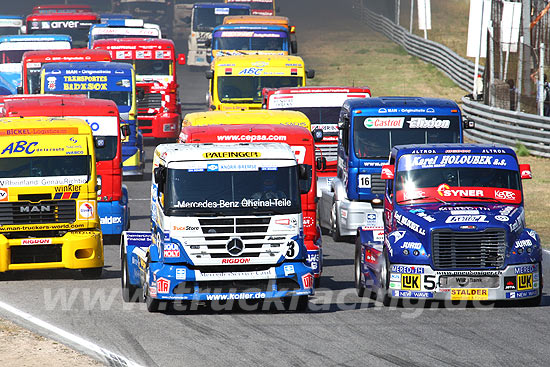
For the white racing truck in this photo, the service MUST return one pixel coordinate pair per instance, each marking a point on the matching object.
(226, 224)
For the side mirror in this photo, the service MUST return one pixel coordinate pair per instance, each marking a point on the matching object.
(293, 47)
(310, 74)
(321, 163)
(208, 43)
(140, 93)
(342, 123)
(468, 124)
(209, 74)
(19, 90)
(317, 135)
(387, 172)
(159, 173)
(525, 171)
(304, 176)
(181, 59)
(125, 131)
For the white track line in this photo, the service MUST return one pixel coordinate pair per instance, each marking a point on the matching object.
(109, 358)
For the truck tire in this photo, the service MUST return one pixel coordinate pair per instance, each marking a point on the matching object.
(384, 290)
(335, 229)
(129, 291)
(91, 273)
(153, 304)
(357, 263)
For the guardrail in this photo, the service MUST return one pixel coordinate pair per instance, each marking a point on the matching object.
(493, 125)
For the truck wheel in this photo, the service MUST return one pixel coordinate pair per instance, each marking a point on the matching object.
(129, 291)
(335, 229)
(91, 273)
(152, 304)
(384, 275)
(358, 285)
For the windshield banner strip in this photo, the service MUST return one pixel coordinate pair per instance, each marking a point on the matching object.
(444, 193)
(417, 161)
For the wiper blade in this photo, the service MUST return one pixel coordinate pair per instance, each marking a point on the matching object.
(483, 198)
(422, 198)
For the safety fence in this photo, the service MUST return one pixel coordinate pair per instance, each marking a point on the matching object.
(493, 125)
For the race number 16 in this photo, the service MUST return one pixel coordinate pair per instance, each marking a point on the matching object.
(364, 181)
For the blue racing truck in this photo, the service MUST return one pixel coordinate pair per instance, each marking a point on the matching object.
(454, 228)
(367, 130)
(102, 80)
(226, 224)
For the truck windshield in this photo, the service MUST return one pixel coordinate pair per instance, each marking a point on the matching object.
(205, 19)
(373, 137)
(273, 191)
(250, 40)
(33, 80)
(45, 166)
(79, 35)
(454, 178)
(150, 67)
(265, 5)
(319, 115)
(11, 56)
(249, 88)
(9, 31)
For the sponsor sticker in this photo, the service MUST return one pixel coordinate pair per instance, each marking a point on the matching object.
(469, 294)
(512, 295)
(410, 282)
(404, 269)
(524, 269)
(289, 269)
(524, 281)
(395, 277)
(231, 155)
(85, 210)
(4, 194)
(384, 122)
(181, 273)
(307, 281)
(510, 283)
(163, 285)
(36, 241)
(171, 250)
(412, 294)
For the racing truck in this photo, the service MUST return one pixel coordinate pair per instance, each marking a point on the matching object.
(153, 11)
(226, 224)
(454, 228)
(154, 60)
(367, 130)
(204, 17)
(48, 200)
(322, 107)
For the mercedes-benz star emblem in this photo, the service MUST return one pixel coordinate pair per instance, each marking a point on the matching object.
(235, 247)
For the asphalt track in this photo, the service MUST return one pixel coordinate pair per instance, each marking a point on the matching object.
(339, 329)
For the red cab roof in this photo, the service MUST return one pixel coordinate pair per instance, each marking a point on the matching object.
(61, 8)
(70, 55)
(133, 43)
(62, 16)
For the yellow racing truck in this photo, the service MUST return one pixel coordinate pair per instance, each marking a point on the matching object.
(48, 199)
(236, 82)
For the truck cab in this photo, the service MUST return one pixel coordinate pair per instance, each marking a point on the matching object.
(454, 228)
(154, 61)
(367, 130)
(226, 224)
(10, 25)
(103, 118)
(102, 80)
(204, 17)
(48, 196)
(236, 82)
(302, 144)
(123, 28)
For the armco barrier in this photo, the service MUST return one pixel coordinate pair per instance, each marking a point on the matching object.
(493, 125)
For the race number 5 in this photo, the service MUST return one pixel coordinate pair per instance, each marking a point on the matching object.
(364, 181)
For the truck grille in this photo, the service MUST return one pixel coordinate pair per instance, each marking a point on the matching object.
(252, 231)
(25, 212)
(329, 151)
(468, 250)
(378, 186)
(150, 100)
(35, 254)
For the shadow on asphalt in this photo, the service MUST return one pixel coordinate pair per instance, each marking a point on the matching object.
(55, 274)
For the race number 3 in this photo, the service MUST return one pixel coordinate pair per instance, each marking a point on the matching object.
(364, 181)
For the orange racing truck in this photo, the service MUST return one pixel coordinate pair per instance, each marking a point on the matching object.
(48, 199)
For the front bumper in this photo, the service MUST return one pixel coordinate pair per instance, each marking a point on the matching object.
(75, 250)
(514, 282)
(161, 125)
(198, 58)
(354, 214)
(179, 282)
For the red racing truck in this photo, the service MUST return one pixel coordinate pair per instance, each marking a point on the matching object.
(104, 120)
(154, 60)
(33, 61)
(322, 107)
(76, 25)
(302, 144)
